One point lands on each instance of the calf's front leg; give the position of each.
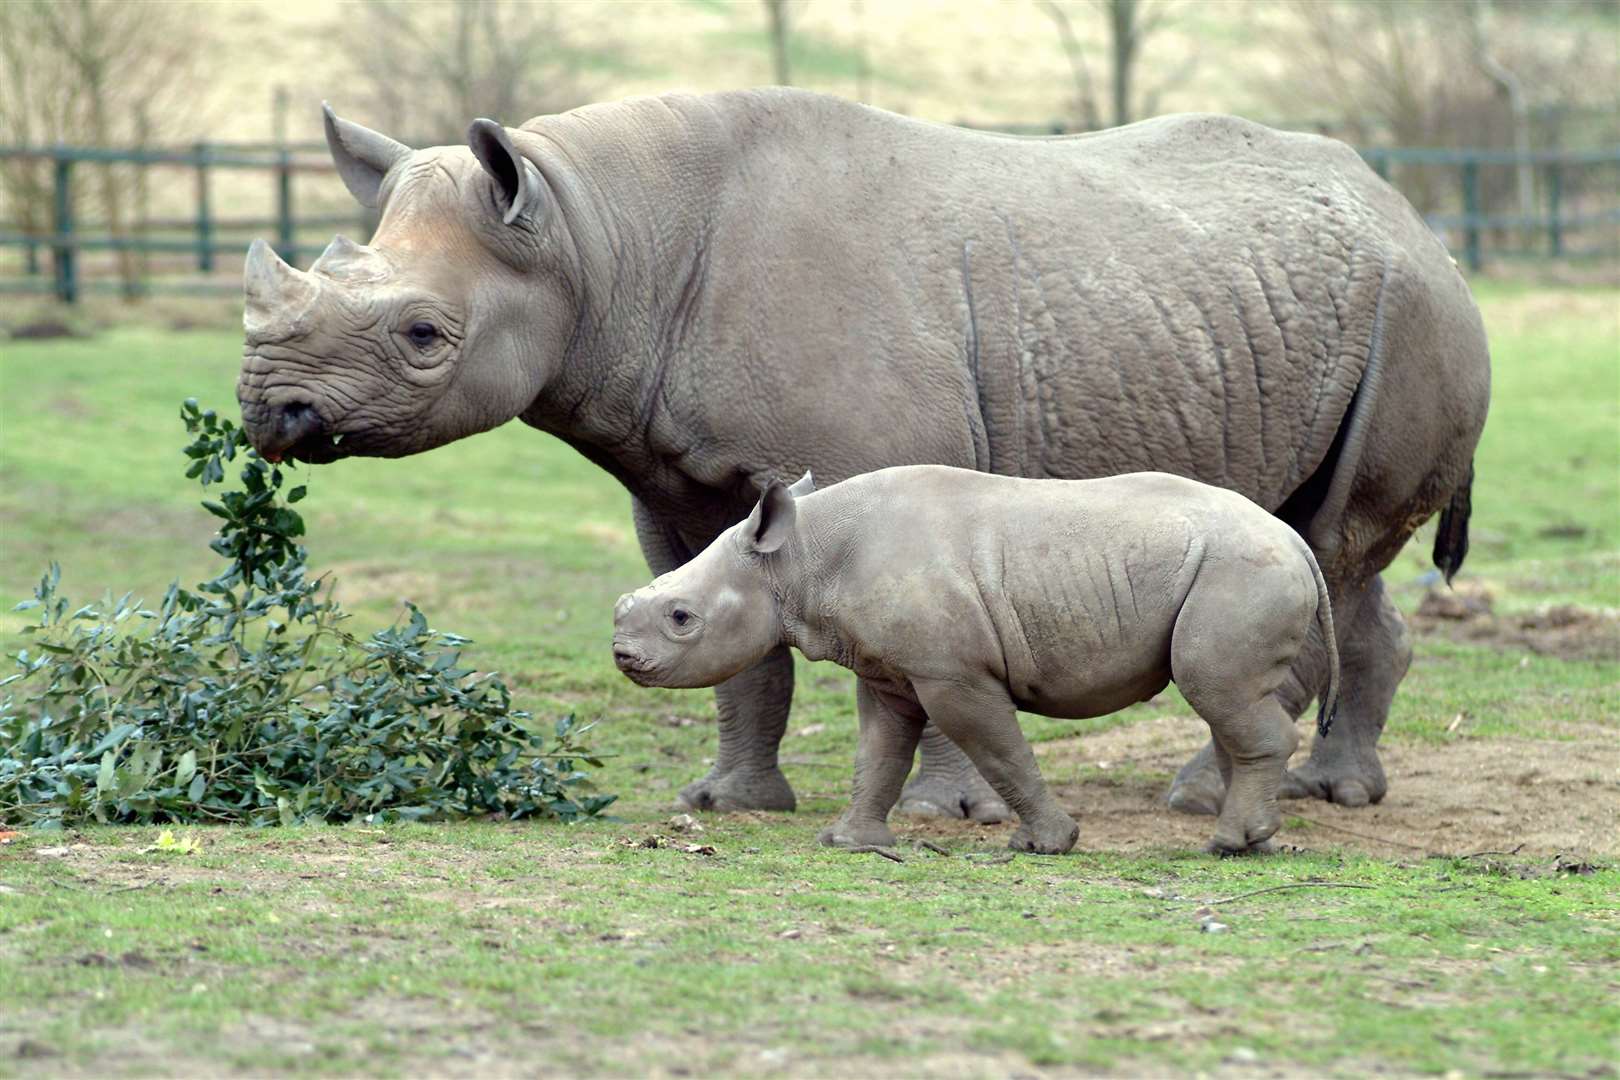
(889, 732)
(983, 721)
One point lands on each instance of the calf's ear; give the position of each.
(804, 485)
(517, 181)
(771, 523)
(362, 156)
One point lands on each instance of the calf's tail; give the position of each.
(1451, 539)
(1329, 706)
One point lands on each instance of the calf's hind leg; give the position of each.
(1229, 653)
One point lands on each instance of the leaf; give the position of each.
(169, 843)
(105, 774)
(185, 769)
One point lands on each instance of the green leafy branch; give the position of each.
(246, 699)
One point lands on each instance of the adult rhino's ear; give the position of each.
(362, 156)
(517, 181)
(771, 523)
(804, 485)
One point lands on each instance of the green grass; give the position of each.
(499, 948)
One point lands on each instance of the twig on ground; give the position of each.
(929, 845)
(1479, 854)
(873, 849)
(993, 860)
(1280, 888)
(1364, 836)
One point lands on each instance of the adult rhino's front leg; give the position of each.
(947, 785)
(752, 708)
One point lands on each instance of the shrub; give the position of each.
(246, 700)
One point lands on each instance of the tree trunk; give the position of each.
(1122, 21)
(776, 11)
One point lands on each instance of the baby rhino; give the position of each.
(961, 597)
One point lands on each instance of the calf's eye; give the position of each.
(423, 334)
(680, 617)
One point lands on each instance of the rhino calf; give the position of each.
(961, 597)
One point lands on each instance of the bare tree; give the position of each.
(1513, 88)
(1444, 74)
(503, 59)
(1085, 95)
(776, 15)
(98, 72)
(1128, 26)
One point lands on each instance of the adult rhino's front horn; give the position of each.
(275, 294)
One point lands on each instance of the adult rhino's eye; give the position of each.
(423, 334)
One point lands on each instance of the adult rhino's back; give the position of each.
(1193, 294)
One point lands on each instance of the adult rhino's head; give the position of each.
(448, 323)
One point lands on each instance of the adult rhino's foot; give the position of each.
(740, 789)
(844, 833)
(1349, 780)
(1198, 787)
(947, 785)
(954, 797)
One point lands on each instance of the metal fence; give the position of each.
(202, 236)
(1577, 208)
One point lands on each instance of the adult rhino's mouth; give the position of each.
(292, 431)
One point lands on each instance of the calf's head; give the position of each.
(448, 323)
(718, 614)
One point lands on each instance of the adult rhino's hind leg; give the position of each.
(1374, 652)
(752, 707)
(947, 785)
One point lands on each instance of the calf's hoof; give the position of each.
(857, 834)
(1259, 847)
(938, 797)
(1051, 838)
(739, 790)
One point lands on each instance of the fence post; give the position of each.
(64, 257)
(1470, 193)
(1555, 198)
(287, 249)
(205, 212)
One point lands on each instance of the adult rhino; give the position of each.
(700, 293)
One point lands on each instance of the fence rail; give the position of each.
(202, 239)
(66, 240)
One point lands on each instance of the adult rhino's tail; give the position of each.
(1451, 539)
(1329, 706)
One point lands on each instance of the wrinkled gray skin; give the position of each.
(959, 597)
(703, 292)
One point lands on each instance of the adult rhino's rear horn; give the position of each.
(275, 294)
(362, 156)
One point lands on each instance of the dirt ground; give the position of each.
(1530, 797)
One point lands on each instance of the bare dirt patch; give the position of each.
(1537, 797)
(1564, 631)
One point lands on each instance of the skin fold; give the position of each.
(702, 293)
(960, 597)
